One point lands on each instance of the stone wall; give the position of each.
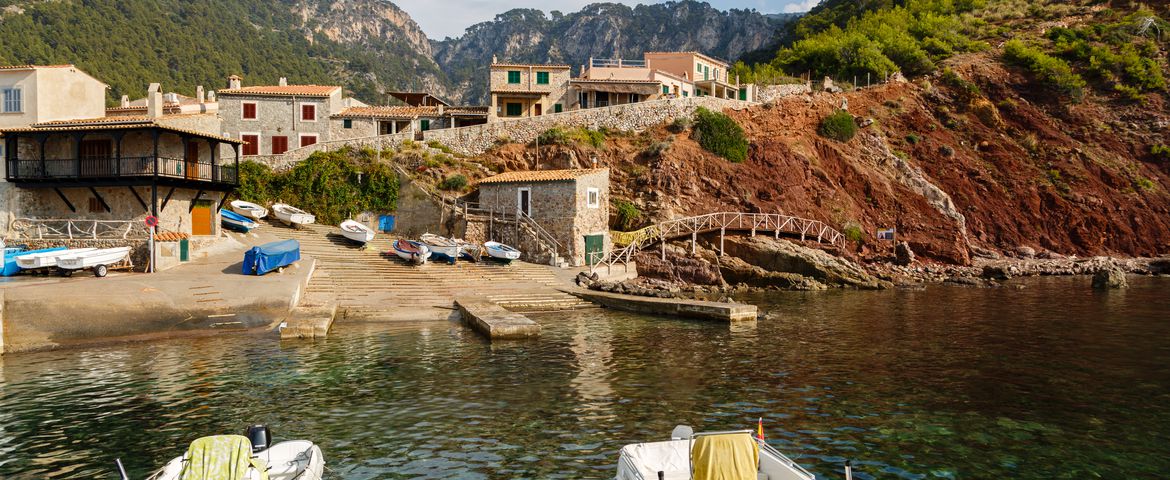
(772, 93)
(175, 217)
(277, 116)
(475, 140)
(294, 156)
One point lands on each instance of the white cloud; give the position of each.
(800, 6)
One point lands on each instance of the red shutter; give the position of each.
(249, 111)
(253, 145)
(309, 113)
(279, 145)
(308, 140)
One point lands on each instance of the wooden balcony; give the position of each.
(129, 171)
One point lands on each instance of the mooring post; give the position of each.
(722, 231)
(694, 240)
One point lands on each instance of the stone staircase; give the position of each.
(373, 285)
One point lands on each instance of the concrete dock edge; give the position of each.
(725, 312)
(494, 321)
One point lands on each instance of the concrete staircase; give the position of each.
(373, 285)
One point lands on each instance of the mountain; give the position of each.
(601, 30)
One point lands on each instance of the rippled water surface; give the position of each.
(1051, 381)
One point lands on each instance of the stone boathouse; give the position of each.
(570, 205)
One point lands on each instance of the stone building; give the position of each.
(572, 205)
(527, 90)
(273, 119)
(358, 122)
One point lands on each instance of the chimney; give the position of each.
(235, 81)
(211, 96)
(440, 109)
(283, 82)
(494, 60)
(154, 101)
(125, 101)
(200, 95)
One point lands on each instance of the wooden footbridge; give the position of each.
(722, 222)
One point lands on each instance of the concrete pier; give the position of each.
(309, 322)
(493, 320)
(724, 312)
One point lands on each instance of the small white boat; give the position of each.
(249, 209)
(292, 215)
(99, 260)
(47, 259)
(500, 252)
(412, 252)
(441, 247)
(734, 454)
(291, 460)
(356, 231)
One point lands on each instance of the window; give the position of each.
(252, 145)
(634, 98)
(308, 139)
(558, 108)
(279, 145)
(424, 124)
(515, 109)
(593, 198)
(700, 67)
(347, 123)
(706, 73)
(541, 78)
(249, 110)
(666, 89)
(583, 99)
(309, 112)
(13, 100)
(514, 76)
(686, 93)
(95, 205)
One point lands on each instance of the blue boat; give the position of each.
(10, 254)
(271, 256)
(235, 221)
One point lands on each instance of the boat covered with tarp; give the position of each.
(271, 256)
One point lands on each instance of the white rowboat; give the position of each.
(291, 460)
(99, 260)
(249, 209)
(292, 215)
(47, 259)
(441, 247)
(735, 454)
(500, 252)
(356, 231)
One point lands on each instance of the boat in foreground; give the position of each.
(357, 231)
(292, 215)
(500, 252)
(99, 260)
(235, 221)
(249, 209)
(441, 247)
(250, 457)
(707, 455)
(412, 252)
(271, 256)
(47, 258)
(11, 253)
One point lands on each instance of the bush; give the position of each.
(913, 139)
(839, 126)
(437, 145)
(257, 182)
(1143, 184)
(1051, 71)
(582, 136)
(456, 182)
(656, 149)
(554, 136)
(719, 134)
(681, 124)
(331, 185)
(853, 232)
(1159, 150)
(628, 215)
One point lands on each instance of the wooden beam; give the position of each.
(165, 200)
(191, 208)
(65, 199)
(141, 201)
(222, 201)
(98, 196)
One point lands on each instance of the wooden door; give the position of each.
(96, 157)
(192, 160)
(539, 109)
(201, 218)
(524, 200)
(594, 248)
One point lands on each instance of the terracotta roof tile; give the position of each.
(170, 236)
(541, 175)
(112, 123)
(283, 90)
(30, 67)
(534, 65)
(610, 80)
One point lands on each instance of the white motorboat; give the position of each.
(291, 460)
(500, 252)
(357, 231)
(441, 247)
(412, 252)
(249, 209)
(734, 454)
(99, 260)
(47, 259)
(292, 215)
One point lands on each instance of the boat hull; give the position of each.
(271, 256)
(356, 232)
(412, 252)
(105, 256)
(29, 260)
(235, 221)
(290, 460)
(291, 215)
(249, 209)
(500, 252)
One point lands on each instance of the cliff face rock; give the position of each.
(602, 30)
(785, 257)
(362, 22)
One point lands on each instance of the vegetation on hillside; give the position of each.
(719, 134)
(333, 185)
(839, 126)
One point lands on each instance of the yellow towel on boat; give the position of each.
(221, 457)
(729, 456)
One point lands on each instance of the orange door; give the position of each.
(201, 218)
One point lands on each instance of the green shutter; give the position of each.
(666, 90)
(542, 78)
(558, 108)
(514, 109)
(514, 76)
(743, 94)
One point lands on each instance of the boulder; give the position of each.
(783, 256)
(903, 255)
(984, 253)
(1109, 278)
(996, 272)
(1025, 252)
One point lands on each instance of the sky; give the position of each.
(448, 18)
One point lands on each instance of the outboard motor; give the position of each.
(260, 436)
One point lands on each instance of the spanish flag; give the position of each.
(760, 434)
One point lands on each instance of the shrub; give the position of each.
(839, 126)
(331, 185)
(853, 231)
(681, 124)
(593, 138)
(968, 90)
(1051, 71)
(1143, 184)
(719, 134)
(1159, 150)
(627, 213)
(913, 139)
(656, 149)
(554, 136)
(437, 145)
(456, 182)
(257, 182)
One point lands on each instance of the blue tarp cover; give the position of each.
(10, 267)
(271, 256)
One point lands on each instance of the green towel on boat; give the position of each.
(221, 457)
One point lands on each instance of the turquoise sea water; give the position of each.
(1051, 381)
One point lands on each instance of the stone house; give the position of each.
(358, 122)
(527, 90)
(273, 119)
(572, 205)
